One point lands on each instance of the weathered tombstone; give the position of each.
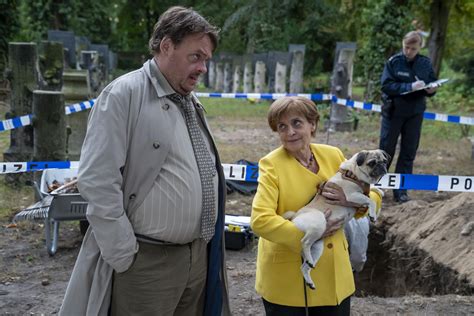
(297, 66)
(76, 89)
(51, 65)
(22, 75)
(69, 43)
(49, 122)
(90, 62)
(82, 43)
(260, 73)
(211, 70)
(228, 74)
(236, 80)
(248, 73)
(104, 61)
(274, 57)
(280, 78)
(219, 87)
(112, 62)
(341, 86)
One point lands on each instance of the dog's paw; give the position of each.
(312, 265)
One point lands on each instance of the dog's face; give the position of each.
(369, 165)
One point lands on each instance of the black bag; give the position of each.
(387, 106)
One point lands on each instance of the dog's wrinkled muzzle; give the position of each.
(378, 171)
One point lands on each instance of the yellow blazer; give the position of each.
(285, 185)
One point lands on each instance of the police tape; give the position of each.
(25, 120)
(81, 106)
(249, 173)
(346, 102)
(264, 96)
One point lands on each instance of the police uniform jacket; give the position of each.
(397, 77)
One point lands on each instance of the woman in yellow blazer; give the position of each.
(289, 177)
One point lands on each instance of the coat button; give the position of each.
(156, 145)
(165, 106)
(329, 245)
(132, 196)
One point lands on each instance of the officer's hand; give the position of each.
(417, 84)
(431, 90)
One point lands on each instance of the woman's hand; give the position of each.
(335, 195)
(332, 226)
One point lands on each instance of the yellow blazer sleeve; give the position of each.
(265, 220)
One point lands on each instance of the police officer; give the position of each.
(403, 106)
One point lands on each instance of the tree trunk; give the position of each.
(439, 25)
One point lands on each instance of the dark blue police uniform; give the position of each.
(402, 114)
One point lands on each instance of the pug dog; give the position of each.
(354, 177)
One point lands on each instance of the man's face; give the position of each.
(182, 64)
(410, 50)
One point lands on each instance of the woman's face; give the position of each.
(295, 132)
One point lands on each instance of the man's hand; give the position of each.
(417, 85)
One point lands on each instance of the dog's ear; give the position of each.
(387, 156)
(361, 157)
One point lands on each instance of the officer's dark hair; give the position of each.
(177, 23)
(413, 37)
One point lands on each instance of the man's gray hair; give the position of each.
(179, 22)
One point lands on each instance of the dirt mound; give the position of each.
(423, 248)
(443, 229)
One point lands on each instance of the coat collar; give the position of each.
(161, 85)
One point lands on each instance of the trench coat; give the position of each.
(127, 141)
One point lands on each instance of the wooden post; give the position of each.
(341, 86)
(248, 77)
(51, 65)
(259, 78)
(49, 122)
(219, 77)
(280, 78)
(22, 75)
(297, 65)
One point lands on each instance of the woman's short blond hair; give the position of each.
(413, 37)
(299, 105)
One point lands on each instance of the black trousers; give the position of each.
(343, 309)
(409, 128)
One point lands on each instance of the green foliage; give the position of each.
(385, 25)
(8, 28)
(264, 26)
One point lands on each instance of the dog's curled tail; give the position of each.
(289, 215)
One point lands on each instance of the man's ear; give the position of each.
(166, 45)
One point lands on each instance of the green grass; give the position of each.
(235, 108)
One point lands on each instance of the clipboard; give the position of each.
(437, 83)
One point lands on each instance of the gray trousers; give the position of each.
(163, 280)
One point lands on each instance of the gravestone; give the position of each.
(69, 44)
(297, 67)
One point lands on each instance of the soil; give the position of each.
(420, 259)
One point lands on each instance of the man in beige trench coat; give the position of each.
(155, 243)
